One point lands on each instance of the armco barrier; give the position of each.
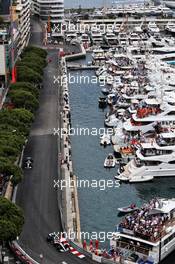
(92, 256)
(21, 254)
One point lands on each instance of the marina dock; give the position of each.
(77, 66)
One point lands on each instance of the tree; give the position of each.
(12, 139)
(34, 65)
(8, 168)
(24, 99)
(9, 151)
(11, 220)
(26, 86)
(8, 231)
(26, 74)
(18, 118)
(34, 58)
(36, 50)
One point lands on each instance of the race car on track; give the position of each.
(60, 243)
(28, 163)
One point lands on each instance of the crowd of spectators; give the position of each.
(146, 224)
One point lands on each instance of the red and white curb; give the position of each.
(76, 253)
(72, 250)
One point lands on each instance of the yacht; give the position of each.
(153, 28)
(98, 54)
(153, 159)
(97, 37)
(170, 28)
(111, 121)
(111, 38)
(148, 234)
(109, 161)
(85, 38)
(71, 36)
(144, 121)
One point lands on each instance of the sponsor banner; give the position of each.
(96, 258)
(2, 60)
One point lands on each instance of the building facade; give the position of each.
(21, 13)
(51, 11)
(14, 36)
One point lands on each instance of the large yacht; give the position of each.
(153, 159)
(148, 234)
(148, 116)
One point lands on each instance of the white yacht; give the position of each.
(148, 234)
(170, 28)
(147, 117)
(153, 159)
(111, 121)
(109, 161)
(153, 28)
(111, 38)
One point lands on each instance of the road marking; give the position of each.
(63, 262)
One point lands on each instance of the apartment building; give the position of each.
(20, 12)
(50, 10)
(14, 35)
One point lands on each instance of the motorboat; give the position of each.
(111, 121)
(105, 91)
(109, 161)
(170, 28)
(112, 99)
(102, 102)
(128, 209)
(105, 140)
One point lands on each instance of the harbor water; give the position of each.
(98, 208)
(97, 3)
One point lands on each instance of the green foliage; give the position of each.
(34, 65)
(15, 124)
(11, 220)
(19, 118)
(40, 52)
(8, 168)
(26, 74)
(8, 231)
(34, 58)
(24, 99)
(26, 86)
